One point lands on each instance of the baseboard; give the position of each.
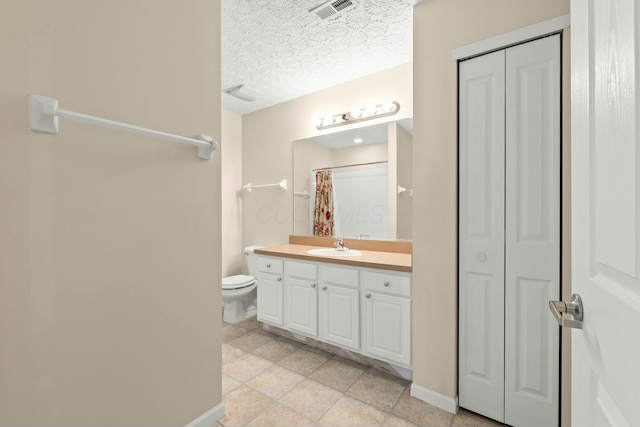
(435, 399)
(211, 416)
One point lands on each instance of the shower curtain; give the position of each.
(323, 209)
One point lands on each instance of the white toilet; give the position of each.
(239, 291)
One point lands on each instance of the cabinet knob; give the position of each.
(481, 257)
(368, 296)
(324, 288)
(268, 265)
(386, 284)
(313, 285)
(279, 279)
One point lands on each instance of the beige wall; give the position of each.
(439, 27)
(404, 201)
(231, 203)
(268, 134)
(109, 241)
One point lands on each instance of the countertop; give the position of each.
(371, 259)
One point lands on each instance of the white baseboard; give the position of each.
(211, 416)
(435, 399)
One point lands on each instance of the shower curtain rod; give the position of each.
(349, 166)
(44, 113)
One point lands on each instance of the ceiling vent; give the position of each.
(330, 8)
(242, 92)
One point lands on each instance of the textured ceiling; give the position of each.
(279, 50)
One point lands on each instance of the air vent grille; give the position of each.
(330, 8)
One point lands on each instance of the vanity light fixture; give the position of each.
(369, 112)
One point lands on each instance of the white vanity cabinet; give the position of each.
(270, 290)
(386, 317)
(339, 305)
(301, 297)
(364, 310)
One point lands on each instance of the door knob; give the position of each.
(568, 314)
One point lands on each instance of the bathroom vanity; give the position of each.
(358, 303)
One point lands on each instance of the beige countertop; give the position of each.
(371, 259)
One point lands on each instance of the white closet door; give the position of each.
(481, 235)
(532, 233)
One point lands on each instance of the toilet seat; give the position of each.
(238, 281)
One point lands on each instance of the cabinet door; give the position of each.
(302, 306)
(270, 297)
(340, 316)
(387, 327)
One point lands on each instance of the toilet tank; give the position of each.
(252, 259)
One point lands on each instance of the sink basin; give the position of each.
(333, 252)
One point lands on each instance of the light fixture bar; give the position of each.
(370, 112)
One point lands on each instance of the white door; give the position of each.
(387, 327)
(605, 87)
(270, 297)
(509, 239)
(481, 235)
(532, 233)
(302, 306)
(340, 316)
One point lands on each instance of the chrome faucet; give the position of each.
(339, 244)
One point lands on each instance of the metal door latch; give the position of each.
(568, 314)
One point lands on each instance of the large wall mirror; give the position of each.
(355, 183)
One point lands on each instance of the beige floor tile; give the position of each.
(243, 405)
(275, 350)
(231, 332)
(229, 384)
(466, 418)
(247, 367)
(250, 341)
(275, 382)
(311, 399)
(303, 361)
(293, 342)
(338, 373)
(278, 415)
(377, 389)
(231, 353)
(421, 413)
(398, 422)
(250, 323)
(349, 412)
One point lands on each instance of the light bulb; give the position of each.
(388, 106)
(371, 110)
(356, 113)
(357, 140)
(328, 120)
(317, 121)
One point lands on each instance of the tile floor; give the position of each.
(268, 380)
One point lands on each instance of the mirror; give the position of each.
(368, 172)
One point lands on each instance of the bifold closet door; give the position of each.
(532, 233)
(509, 233)
(481, 235)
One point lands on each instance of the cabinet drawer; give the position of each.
(340, 275)
(302, 270)
(388, 283)
(270, 265)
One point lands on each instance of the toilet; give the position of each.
(239, 291)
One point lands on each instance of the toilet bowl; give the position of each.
(239, 291)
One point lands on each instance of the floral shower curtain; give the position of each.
(323, 210)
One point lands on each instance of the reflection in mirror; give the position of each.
(356, 183)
